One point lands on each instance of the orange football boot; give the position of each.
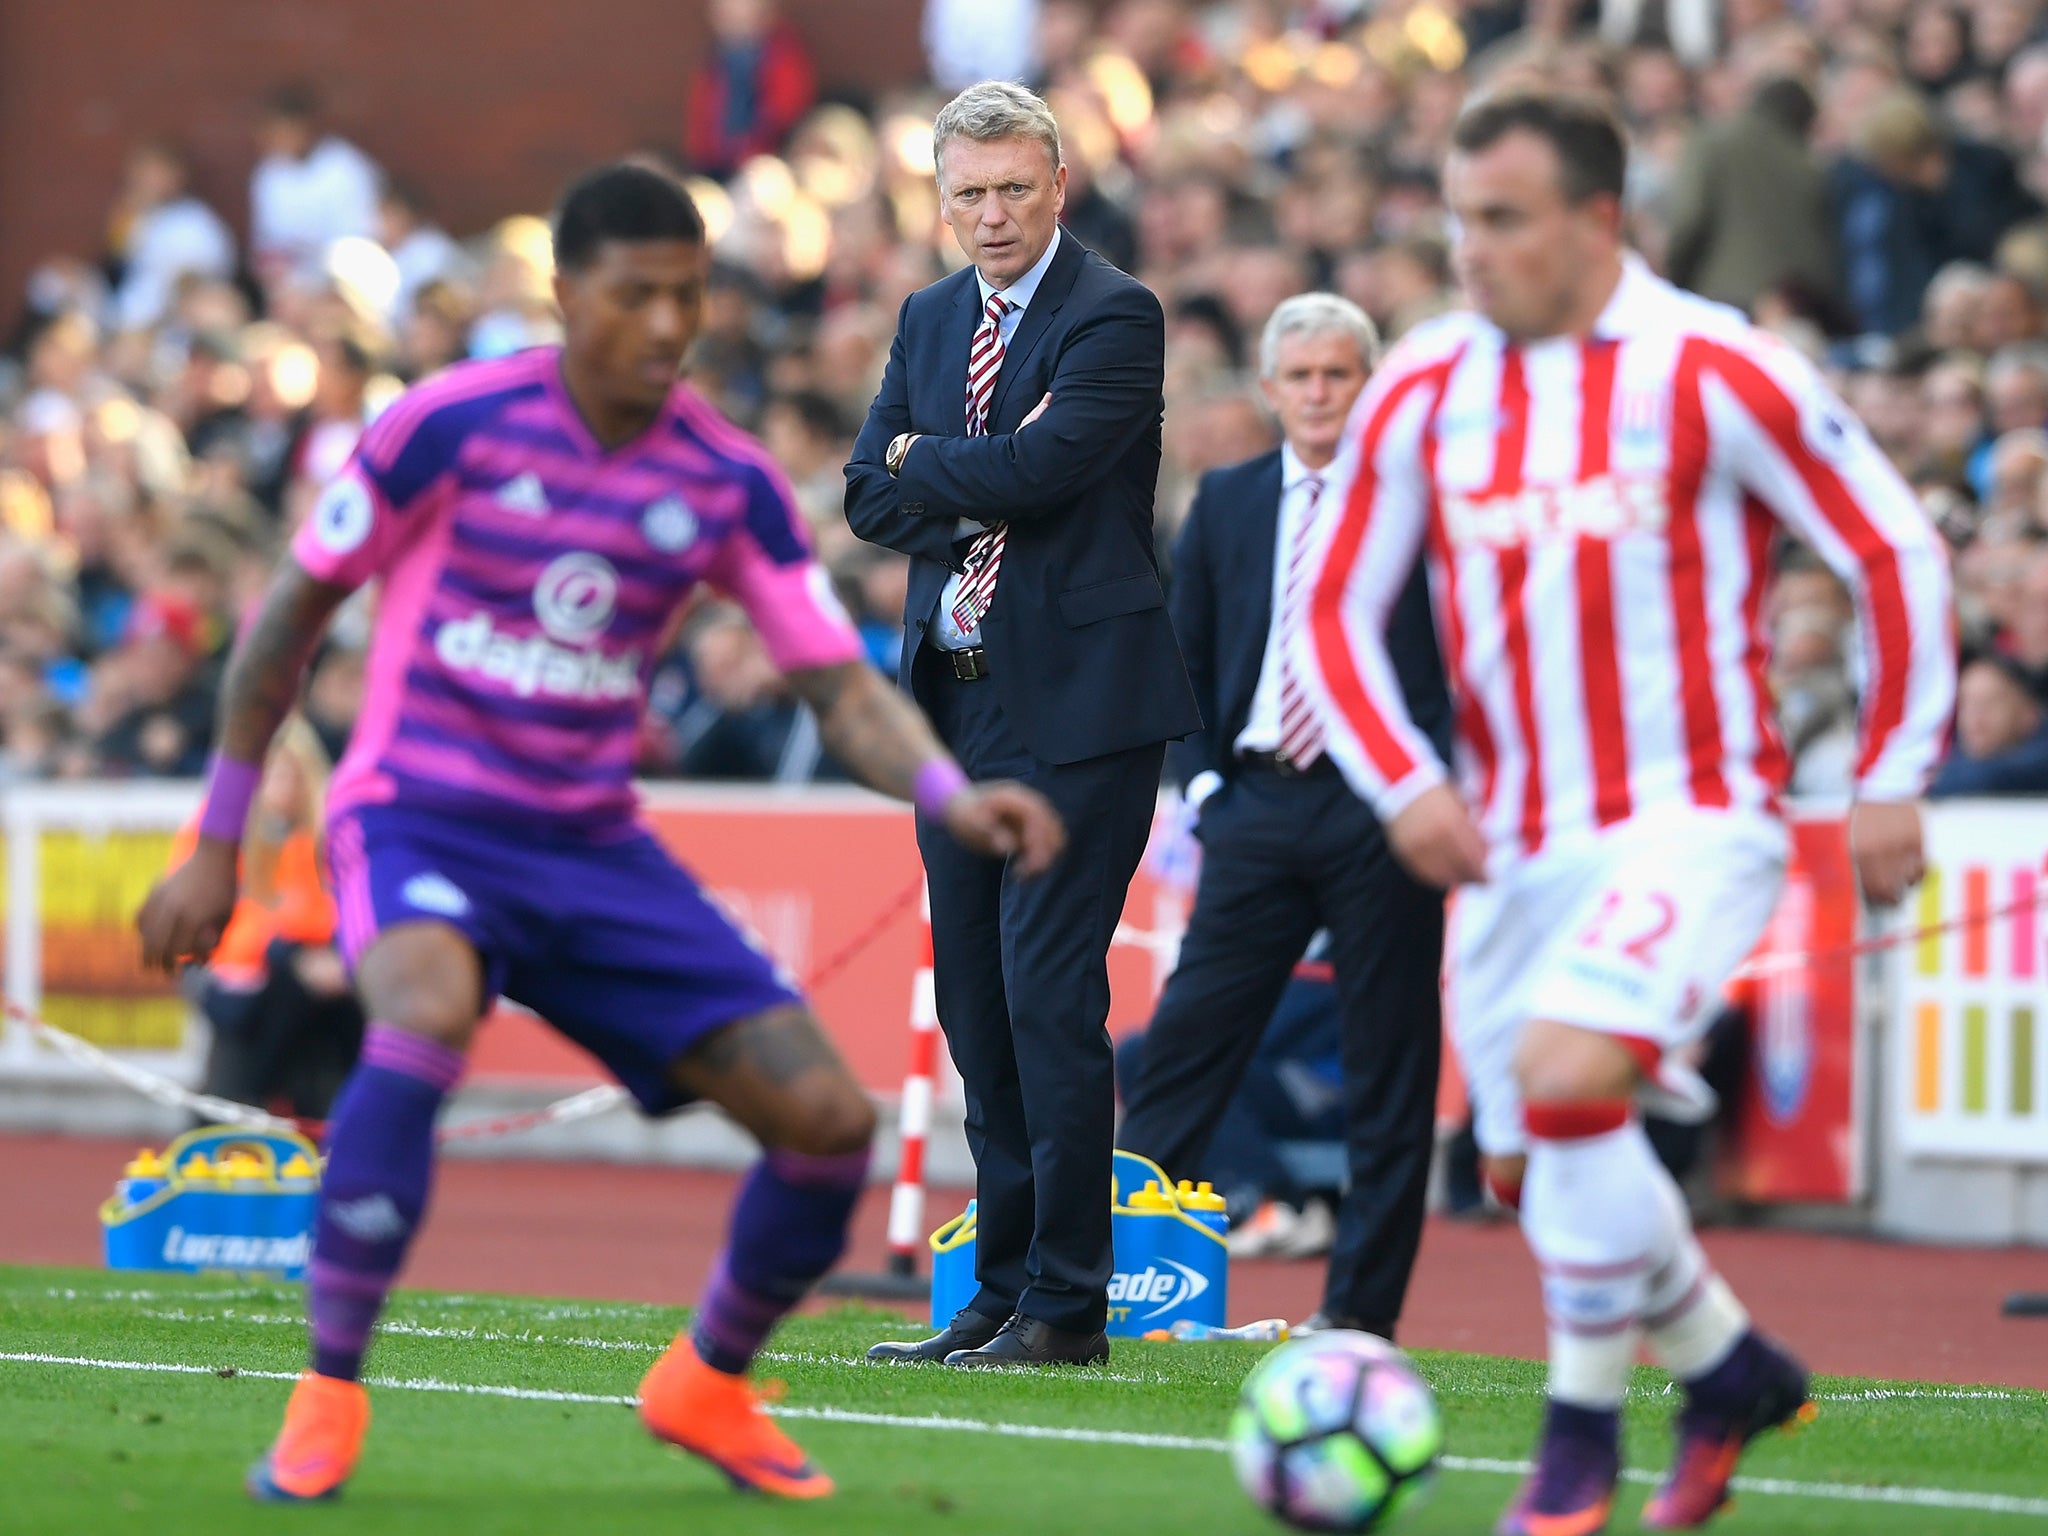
(315, 1452)
(1710, 1443)
(720, 1418)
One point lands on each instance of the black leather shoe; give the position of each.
(968, 1330)
(1027, 1341)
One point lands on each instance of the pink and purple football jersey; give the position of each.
(528, 575)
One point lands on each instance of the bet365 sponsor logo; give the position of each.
(1604, 507)
(1162, 1290)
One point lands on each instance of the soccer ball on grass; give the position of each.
(1335, 1432)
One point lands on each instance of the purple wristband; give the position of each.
(935, 785)
(230, 787)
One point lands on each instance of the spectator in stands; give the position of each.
(2008, 313)
(755, 84)
(338, 411)
(309, 189)
(760, 730)
(1816, 702)
(283, 374)
(167, 726)
(2001, 743)
(161, 234)
(2024, 635)
(435, 332)
(1912, 197)
(423, 252)
(970, 40)
(1953, 441)
(2016, 388)
(1750, 207)
(811, 439)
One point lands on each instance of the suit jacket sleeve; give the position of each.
(874, 497)
(1105, 397)
(1192, 603)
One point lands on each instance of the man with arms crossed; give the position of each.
(1012, 453)
(1597, 465)
(535, 522)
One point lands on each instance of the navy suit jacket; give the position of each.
(1082, 655)
(1223, 610)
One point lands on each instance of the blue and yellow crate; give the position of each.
(219, 1199)
(1170, 1264)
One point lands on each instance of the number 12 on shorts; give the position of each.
(1631, 924)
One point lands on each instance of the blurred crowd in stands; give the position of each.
(1867, 177)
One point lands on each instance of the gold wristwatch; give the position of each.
(898, 446)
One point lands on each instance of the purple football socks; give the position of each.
(788, 1228)
(380, 1165)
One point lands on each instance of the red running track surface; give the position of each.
(599, 1230)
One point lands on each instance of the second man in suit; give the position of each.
(1286, 847)
(1013, 452)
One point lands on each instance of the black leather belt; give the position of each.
(1286, 767)
(969, 666)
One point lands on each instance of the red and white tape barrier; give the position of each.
(914, 1114)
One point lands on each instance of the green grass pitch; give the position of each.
(91, 1442)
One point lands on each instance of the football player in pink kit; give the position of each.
(1596, 465)
(535, 523)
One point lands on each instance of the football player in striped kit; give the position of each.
(1595, 466)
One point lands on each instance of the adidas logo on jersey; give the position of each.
(535, 665)
(524, 494)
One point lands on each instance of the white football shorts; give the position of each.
(1632, 932)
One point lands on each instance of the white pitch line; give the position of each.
(482, 1335)
(1919, 1498)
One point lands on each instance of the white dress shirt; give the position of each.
(946, 634)
(1261, 731)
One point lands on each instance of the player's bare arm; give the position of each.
(887, 743)
(185, 914)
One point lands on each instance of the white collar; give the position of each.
(1293, 471)
(1018, 295)
(1634, 302)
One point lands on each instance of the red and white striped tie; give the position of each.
(1301, 733)
(985, 554)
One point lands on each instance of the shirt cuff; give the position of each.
(1396, 798)
(1201, 787)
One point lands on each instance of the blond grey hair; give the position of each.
(1318, 314)
(995, 109)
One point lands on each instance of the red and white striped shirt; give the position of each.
(1598, 515)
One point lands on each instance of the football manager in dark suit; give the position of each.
(1286, 847)
(1013, 453)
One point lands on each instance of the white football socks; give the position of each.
(1596, 1215)
(1690, 1317)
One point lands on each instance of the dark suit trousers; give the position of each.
(1021, 971)
(1282, 857)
